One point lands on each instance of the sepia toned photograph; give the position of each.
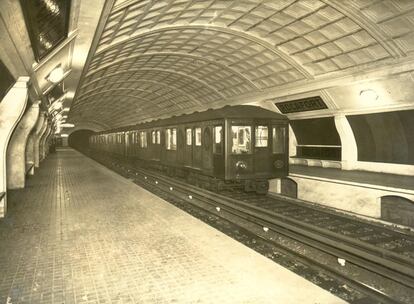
(207, 151)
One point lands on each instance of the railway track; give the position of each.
(379, 274)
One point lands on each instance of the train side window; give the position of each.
(158, 135)
(278, 139)
(171, 139)
(218, 140)
(262, 136)
(153, 137)
(198, 136)
(143, 139)
(242, 141)
(189, 136)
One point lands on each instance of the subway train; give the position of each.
(234, 146)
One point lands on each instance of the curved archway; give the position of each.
(79, 140)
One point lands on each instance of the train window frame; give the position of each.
(261, 141)
(218, 145)
(171, 139)
(158, 135)
(188, 136)
(249, 142)
(153, 137)
(143, 141)
(274, 140)
(197, 136)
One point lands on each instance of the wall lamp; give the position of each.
(369, 95)
(56, 75)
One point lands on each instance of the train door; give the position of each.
(127, 144)
(279, 149)
(239, 150)
(262, 155)
(124, 144)
(188, 147)
(180, 145)
(134, 143)
(197, 147)
(207, 150)
(155, 144)
(218, 150)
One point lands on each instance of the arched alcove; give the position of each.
(289, 187)
(397, 209)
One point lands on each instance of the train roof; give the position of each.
(241, 111)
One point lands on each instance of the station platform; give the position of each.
(387, 180)
(80, 233)
(378, 196)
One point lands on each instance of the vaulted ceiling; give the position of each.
(156, 58)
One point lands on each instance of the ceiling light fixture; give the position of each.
(56, 75)
(67, 125)
(369, 95)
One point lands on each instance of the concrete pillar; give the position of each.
(49, 141)
(11, 110)
(16, 151)
(30, 148)
(37, 142)
(348, 143)
(42, 146)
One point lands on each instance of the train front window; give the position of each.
(278, 139)
(242, 139)
(262, 136)
(218, 139)
(171, 139)
(198, 136)
(188, 136)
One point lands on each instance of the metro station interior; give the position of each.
(207, 151)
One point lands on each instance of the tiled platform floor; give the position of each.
(79, 233)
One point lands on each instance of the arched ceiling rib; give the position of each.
(195, 89)
(190, 59)
(145, 85)
(217, 50)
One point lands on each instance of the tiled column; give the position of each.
(43, 140)
(37, 142)
(11, 110)
(348, 143)
(16, 151)
(49, 141)
(30, 148)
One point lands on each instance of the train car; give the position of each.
(235, 145)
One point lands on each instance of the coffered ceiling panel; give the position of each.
(155, 58)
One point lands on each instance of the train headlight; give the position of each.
(278, 164)
(241, 165)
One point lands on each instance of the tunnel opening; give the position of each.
(79, 140)
(397, 209)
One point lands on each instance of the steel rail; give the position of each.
(194, 201)
(334, 244)
(364, 255)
